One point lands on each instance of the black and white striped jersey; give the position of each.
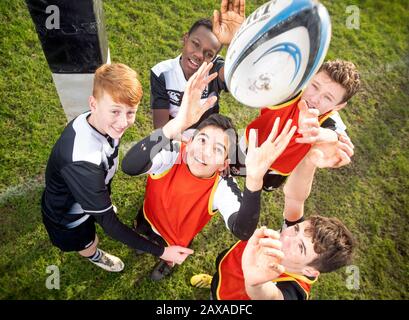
(78, 175)
(168, 84)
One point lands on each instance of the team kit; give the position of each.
(275, 62)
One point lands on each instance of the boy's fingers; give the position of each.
(223, 6)
(257, 235)
(286, 139)
(211, 77)
(236, 6)
(274, 131)
(271, 233)
(286, 128)
(191, 80)
(207, 67)
(209, 103)
(347, 140)
(252, 140)
(277, 267)
(308, 140)
(186, 250)
(311, 122)
(346, 148)
(273, 253)
(345, 159)
(270, 243)
(313, 112)
(309, 131)
(216, 22)
(302, 105)
(242, 8)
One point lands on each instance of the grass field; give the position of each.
(370, 195)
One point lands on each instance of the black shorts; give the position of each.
(142, 227)
(272, 181)
(75, 239)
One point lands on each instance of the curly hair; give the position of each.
(345, 73)
(332, 241)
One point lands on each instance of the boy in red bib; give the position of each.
(315, 112)
(276, 266)
(184, 188)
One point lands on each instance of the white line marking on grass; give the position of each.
(21, 189)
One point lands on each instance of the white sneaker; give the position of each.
(109, 262)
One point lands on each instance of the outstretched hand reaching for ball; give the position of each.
(191, 108)
(228, 21)
(259, 159)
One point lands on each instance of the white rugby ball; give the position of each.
(276, 51)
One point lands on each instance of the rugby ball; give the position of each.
(276, 51)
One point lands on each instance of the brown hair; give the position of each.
(332, 241)
(344, 73)
(120, 82)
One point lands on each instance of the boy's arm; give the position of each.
(153, 154)
(86, 181)
(297, 189)
(298, 185)
(243, 222)
(114, 228)
(240, 212)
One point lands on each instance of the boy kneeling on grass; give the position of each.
(184, 188)
(80, 170)
(277, 266)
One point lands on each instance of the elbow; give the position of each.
(243, 234)
(127, 167)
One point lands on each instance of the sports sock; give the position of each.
(96, 255)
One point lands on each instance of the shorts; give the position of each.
(142, 227)
(272, 181)
(75, 239)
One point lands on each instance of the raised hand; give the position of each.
(261, 259)
(228, 21)
(332, 154)
(191, 108)
(259, 159)
(176, 254)
(308, 124)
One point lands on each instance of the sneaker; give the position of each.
(161, 269)
(201, 280)
(109, 262)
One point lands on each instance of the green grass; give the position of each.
(370, 195)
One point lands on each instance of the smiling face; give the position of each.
(324, 94)
(298, 250)
(207, 152)
(199, 46)
(110, 117)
